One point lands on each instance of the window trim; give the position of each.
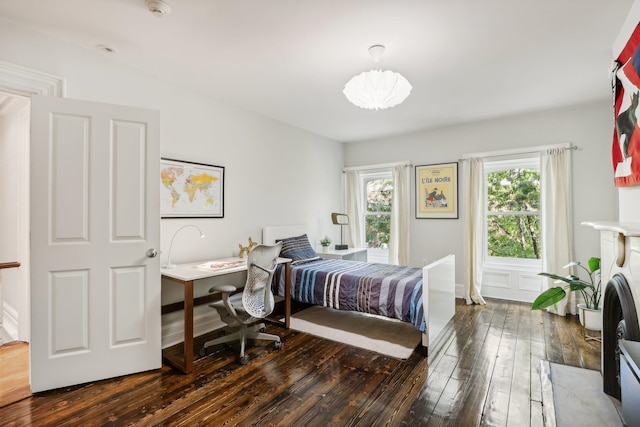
(527, 161)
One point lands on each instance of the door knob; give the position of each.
(152, 253)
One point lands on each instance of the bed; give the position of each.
(396, 292)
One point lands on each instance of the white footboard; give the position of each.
(438, 290)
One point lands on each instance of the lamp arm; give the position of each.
(169, 265)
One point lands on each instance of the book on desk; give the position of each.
(221, 265)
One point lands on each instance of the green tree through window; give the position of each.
(378, 213)
(513, 213)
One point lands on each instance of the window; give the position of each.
(512, 190)
(377, 214)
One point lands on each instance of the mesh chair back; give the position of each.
(257, 297)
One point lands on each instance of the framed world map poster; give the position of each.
(191, 190)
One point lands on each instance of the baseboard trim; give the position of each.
(173, 331)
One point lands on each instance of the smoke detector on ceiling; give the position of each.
(159, 8)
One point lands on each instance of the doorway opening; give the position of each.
(14, 217)
(17, 84)
(14, 246)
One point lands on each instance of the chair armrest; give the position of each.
(222, 288)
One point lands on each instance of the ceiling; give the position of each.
(467, 60)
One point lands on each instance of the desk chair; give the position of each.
(254, 303)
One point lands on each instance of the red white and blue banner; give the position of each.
(626, 138)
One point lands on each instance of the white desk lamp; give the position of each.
(168, 264)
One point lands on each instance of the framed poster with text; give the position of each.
(191, 190)
(437, 191)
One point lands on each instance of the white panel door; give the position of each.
(95, 221)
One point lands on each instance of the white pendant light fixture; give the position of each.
(377, 89)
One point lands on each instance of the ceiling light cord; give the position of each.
(376, 51)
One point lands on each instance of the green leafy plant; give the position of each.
(326, 241)
(590, 290)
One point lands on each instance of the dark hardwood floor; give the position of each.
(486, 373)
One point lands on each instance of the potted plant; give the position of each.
(325, 243)
(590, 311)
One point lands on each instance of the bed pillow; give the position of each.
(298, 249)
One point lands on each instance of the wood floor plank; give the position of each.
(445, 412)
(537, 420)
(398, 391)
(461, 389)
(568, 342)
(486, 373)
(424, 404)
(552, 339)
(465, 324)
(519, 412)
(14, 372)
(588, 351)
(469, 410)
(497, 401)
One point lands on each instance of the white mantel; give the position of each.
(629, 229)
(619, 244)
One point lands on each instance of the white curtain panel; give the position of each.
(556, 219)
(400, 216)
(355, 210)
(473, 214)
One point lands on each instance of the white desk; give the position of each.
(353, 254)
(186, 275)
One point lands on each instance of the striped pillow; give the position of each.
(298, 249)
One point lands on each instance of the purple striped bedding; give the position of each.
(388, 290)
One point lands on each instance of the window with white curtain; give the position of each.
(378, 196)
(512, 238)
(518, 221)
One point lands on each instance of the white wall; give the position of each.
(274, 174)
(588, 126)
(14, 302)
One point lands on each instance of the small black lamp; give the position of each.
(341, 220)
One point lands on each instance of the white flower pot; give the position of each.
(589, 318)
(581, 313)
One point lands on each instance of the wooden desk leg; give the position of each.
(188, 326)
(287, 295)
(184, 364)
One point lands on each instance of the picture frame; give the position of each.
(191, 190)
(437, 191)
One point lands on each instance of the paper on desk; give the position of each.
(221, 265)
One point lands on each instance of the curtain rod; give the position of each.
(380, 166)
(516, 152)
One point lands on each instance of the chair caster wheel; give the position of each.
(203, 352)
(277, 345)
(244, 360)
